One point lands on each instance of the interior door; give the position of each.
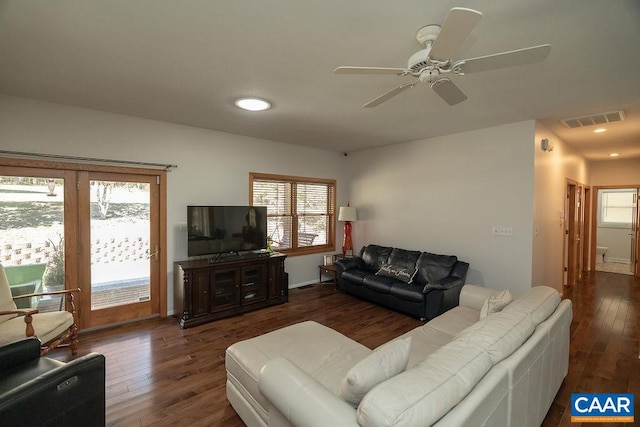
(119, 237)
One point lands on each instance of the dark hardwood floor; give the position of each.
(158, 374)
(605, 345)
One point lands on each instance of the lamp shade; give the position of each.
(347, 213)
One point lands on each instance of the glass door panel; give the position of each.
(32, 237)
(120, 239)
(120, 269)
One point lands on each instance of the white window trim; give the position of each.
(605, 224)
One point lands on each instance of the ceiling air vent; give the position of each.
(596, 119)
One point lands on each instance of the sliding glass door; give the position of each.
(84, 226)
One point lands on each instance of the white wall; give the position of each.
(444, 195)
(615, 172)
(213, 167)
(551, 170)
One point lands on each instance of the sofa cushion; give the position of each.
(499, 335)
(404, 258)
(350, 263)
(395, 271)
(423, 394)
(385, 362)
(55, 323)
(432, 268)
(379, 284)
(407, 292)
(455, 320)
(322, 352)
(424, 341)
(495, 303)
(374, 256)
(539, 303)
(355, 277)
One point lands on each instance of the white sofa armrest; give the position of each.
(473, 296)
(301, 399)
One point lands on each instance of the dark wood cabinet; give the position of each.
(206, 291)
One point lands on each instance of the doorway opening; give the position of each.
(615, 223)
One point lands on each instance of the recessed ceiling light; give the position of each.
(253, 104)
(614, 154)
(599, 130)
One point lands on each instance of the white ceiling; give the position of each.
(186, 61)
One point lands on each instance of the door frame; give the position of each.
(576, 235)
(137, 310)
(69, 171)
(570, 238)
(635, 267)
(587, 236)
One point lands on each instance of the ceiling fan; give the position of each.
(434, 64)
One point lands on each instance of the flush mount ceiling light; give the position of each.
(614, 154)
(253, 104)
(600, 130)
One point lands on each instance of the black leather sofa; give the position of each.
(420, 284)
(40, 391)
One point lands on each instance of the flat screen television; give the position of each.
(226, 229)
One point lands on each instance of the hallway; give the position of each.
(605, 345)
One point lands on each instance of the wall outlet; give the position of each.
(501, 231)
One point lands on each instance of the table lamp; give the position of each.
(347, 214)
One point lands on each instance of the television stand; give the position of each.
(206, 291)
(234, 256)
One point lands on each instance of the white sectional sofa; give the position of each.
(502, 370)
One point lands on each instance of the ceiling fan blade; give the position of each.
(457, 26)
(448, 91)
(387, 95)
(512, 58)
(370, 70)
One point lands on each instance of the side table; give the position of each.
(329, 270)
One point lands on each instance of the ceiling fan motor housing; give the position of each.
(425, 36)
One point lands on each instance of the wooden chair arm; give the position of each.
(23, 311)
(63, 292)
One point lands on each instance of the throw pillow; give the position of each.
(404, 274)
(385, 362)
(496, 303)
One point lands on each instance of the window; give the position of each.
(300, 211)
(615, 207)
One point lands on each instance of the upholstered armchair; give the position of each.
(53, 329)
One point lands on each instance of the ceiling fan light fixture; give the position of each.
(253, 104)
